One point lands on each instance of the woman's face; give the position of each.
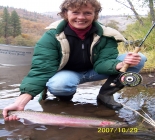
(82, 17)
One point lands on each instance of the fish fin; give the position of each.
(62, 127)
(64, 113)
(29, 110)
(95, 126)
(27, 122)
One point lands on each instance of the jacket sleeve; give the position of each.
(45, 62)
(106, 57)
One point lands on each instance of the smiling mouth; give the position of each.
(80, 22)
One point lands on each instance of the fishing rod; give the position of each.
(132, 79)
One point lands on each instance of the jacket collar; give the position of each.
(61, 24)
(101, 30)
(69, 31)
(58, 26)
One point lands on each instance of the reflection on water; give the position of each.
(83, 104)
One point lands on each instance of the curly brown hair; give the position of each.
(77, 4)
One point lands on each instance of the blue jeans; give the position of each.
(65, 82)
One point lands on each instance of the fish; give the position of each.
(44, 118)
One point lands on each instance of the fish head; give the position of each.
(12, 113)
(26, 120)
(16, 113)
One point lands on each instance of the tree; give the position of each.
(151, 7)
(5, 23)
(15, 24)
(131, 6)
(141, 3)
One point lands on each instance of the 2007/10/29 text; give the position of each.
(117, 130)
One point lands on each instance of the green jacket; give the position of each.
(52, 52)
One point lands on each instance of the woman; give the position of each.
(74, 50)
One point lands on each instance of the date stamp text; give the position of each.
(118, 130)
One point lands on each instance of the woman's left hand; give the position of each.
(132, 59)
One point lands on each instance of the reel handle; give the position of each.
(126, 66)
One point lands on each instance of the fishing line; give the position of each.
(132, 79)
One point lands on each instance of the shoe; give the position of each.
(107, 90)
(108, 101)
(64, 98)
(43, 95)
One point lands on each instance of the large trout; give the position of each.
(65, 120)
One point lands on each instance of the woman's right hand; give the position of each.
(19, 105)
(11, 108)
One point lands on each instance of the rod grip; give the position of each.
(125, 67)
(137, 49)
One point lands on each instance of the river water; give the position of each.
(83, 104)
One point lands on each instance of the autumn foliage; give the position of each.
(32, 27)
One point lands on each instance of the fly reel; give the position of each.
(130, 79)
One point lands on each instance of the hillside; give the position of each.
(32, 23)
(37, 21)
(120, 21)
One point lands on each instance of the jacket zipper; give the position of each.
(83, 53)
